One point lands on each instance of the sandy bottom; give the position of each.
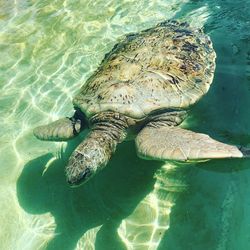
(47, 52)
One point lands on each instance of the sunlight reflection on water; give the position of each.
(47, 52)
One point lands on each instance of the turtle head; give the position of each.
(95, 151)
(85, 162)
(87, 159)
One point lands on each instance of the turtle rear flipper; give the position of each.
(174, 143)
(60, 130)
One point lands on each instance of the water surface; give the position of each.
(48, 49)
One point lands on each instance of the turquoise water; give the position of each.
(48, 49)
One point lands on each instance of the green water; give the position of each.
(47, 50)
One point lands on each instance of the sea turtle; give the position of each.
(142, 90)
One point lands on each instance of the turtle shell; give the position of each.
(164, 67)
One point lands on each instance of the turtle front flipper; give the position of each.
(60, 130)
(174, 143)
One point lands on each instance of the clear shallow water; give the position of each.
(47, 52)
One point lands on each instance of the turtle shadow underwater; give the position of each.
(105, 200)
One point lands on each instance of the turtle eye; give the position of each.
(80, 179)
(85, 175)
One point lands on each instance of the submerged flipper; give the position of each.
(175, 143)
(60, 130)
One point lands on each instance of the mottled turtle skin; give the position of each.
(142, 90)
(168, 66)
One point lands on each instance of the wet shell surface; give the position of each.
(167, 66)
